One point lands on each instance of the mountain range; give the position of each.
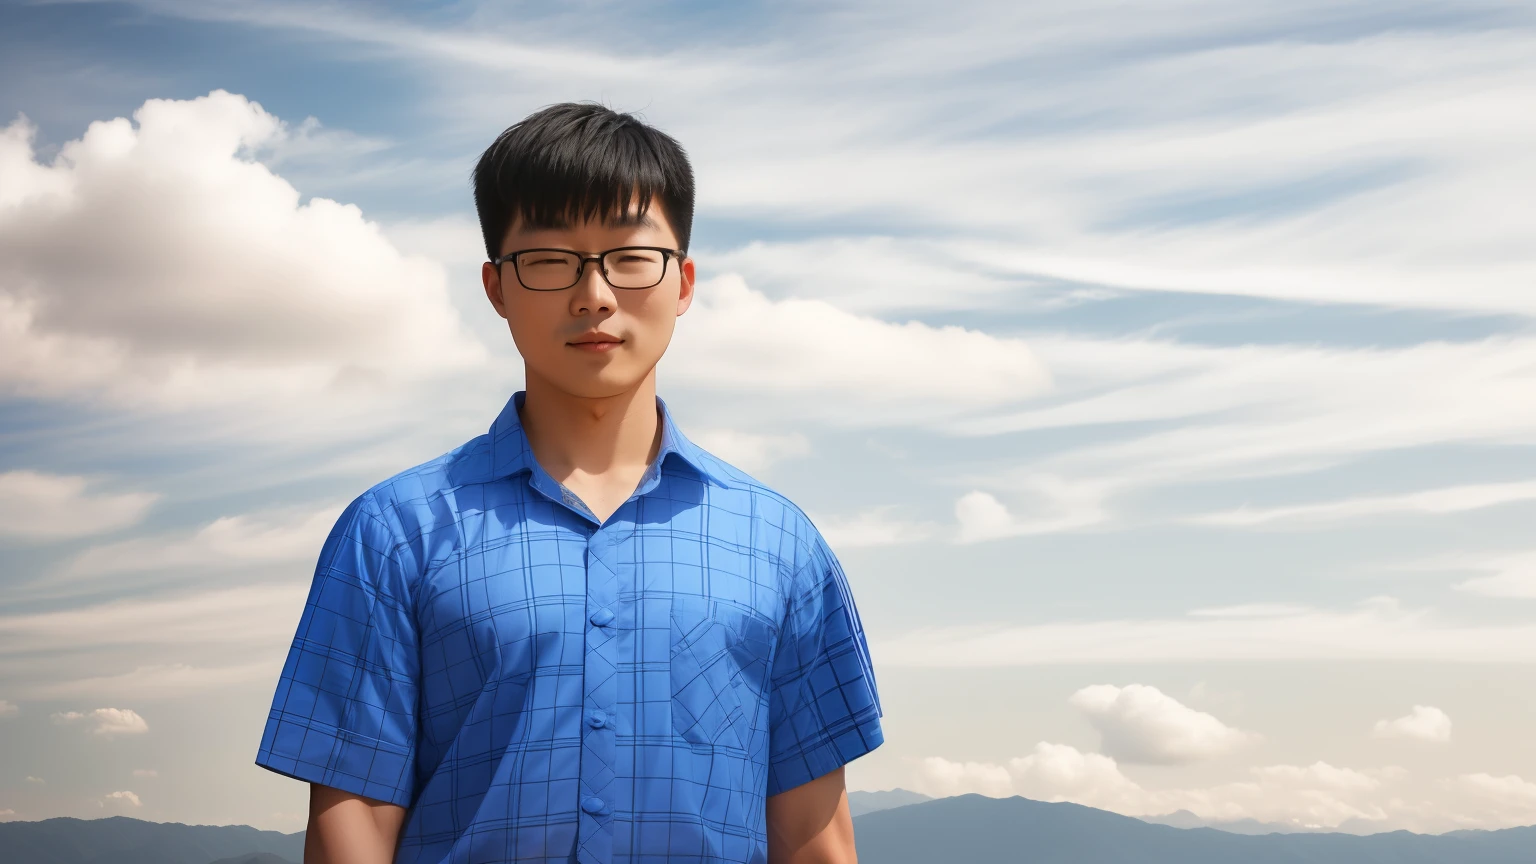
(893, 827)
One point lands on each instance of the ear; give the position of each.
(685, 290)
(490, 275)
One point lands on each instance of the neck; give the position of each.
(591, 435)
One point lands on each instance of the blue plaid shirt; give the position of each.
(534, 685)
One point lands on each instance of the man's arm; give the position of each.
(811, 824)
(350, 829)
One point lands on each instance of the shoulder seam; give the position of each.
(397, 542)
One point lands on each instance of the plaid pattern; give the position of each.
(535, 686)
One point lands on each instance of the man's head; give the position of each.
(583, 178)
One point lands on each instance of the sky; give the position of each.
(1163, 374)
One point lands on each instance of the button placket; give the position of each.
(600, 692)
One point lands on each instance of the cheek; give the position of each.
(652, 320)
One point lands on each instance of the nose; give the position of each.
(598, 283)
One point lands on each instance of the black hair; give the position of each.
(576, 161)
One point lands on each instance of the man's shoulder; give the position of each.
(762, 501)
(419, 484)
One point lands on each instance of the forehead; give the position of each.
(653, 221)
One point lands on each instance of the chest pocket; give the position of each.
(720, 655)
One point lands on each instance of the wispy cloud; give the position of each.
(36, 506)
(1451, 499)
(106, 722)
(1379, 629)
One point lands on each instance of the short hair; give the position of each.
(576, 161)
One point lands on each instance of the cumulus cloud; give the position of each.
(155, 262)
(39, 506)
(1313, 796)
(1424, 723)
(9, 709)
(106, 722)
(1509, 798)
(128, 798)
(734, 339)
(1139, 723)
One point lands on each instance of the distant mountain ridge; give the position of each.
(970, 828)
(124, 840)
(975, 828)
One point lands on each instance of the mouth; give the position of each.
(597, 344)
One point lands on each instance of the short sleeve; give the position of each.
(824, 710)
(344, 714)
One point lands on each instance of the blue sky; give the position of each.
(1161, 374)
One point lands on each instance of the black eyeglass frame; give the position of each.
(581, 264)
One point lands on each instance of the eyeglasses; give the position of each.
(558, 269)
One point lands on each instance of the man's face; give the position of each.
(549, 326)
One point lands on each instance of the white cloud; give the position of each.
(1142, 724)
(1250, 610)
(122, 798)
(751, 451)
(1424, 723)
(1058, 772)
(139, 647)
(284, 535)
(9, 709)
(1045, 503)
(1297, 151)
(1377, 629)
(1223, 414)
(162, 680)
(1506, 799)
(1511, 575)
(158, 264)
(1313, 796)
(844, 369)
(874, 526)
(31, 779)
(248, 616)
(1452, 499)
(867, 275)
(39, 506)
(106, 722)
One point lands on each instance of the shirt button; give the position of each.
(601, 617)
(595, 805)
(597, 718)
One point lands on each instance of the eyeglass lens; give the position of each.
(550, 270)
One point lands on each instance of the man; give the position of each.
(578, 637)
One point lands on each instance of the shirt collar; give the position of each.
(511, 453)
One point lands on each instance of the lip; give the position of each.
(594, 338)
(596, 347)
(596, 342)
